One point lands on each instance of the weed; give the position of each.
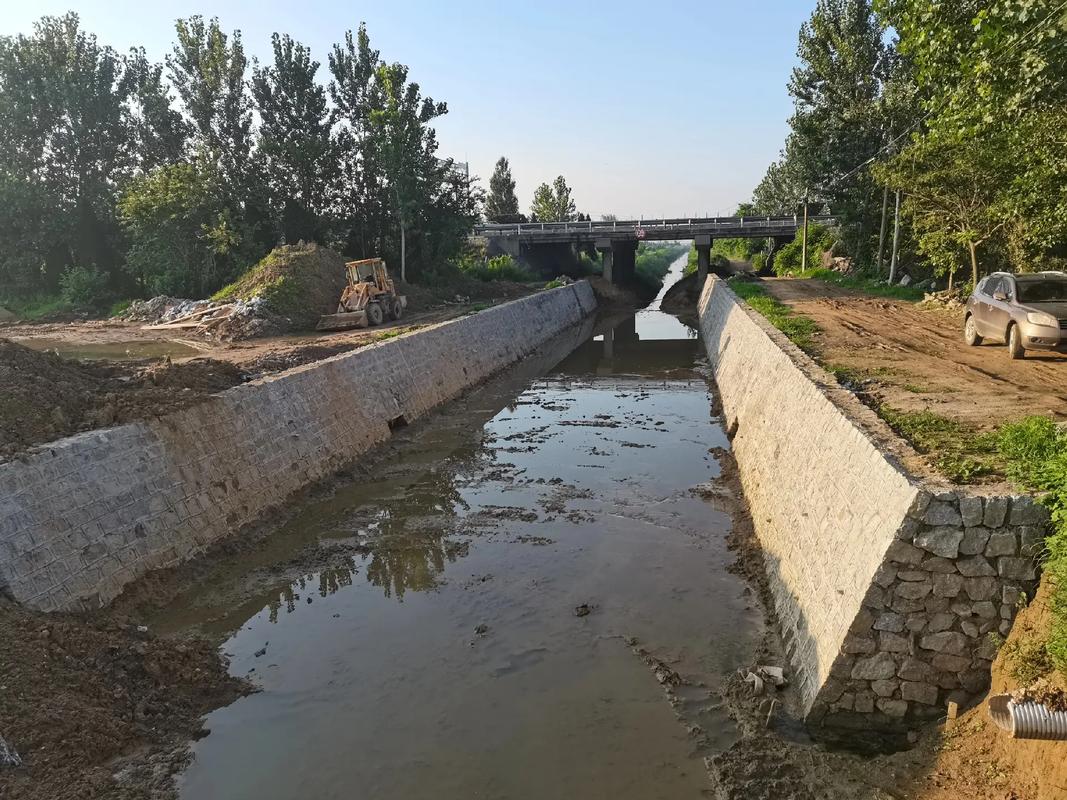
(865, 284)
(1028, 659)
(960, 452)
(118, 308)
(36, 306)
(798, 328)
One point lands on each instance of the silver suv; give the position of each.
(1026, 312)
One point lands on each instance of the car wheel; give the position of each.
(970, 332)
(1015, 345)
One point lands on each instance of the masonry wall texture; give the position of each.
(886, 587)
(84, 516)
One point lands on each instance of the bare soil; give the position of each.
(80, 696)
(46, 397)
(916, 360)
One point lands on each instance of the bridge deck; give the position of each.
(648, 230)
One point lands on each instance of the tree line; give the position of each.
(143, 177)
(552, 202)
(958, 107)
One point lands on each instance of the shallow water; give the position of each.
(450, 653)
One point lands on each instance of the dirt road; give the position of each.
(916, 360)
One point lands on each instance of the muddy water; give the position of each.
(528, 599)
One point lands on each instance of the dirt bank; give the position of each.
(46, 397)
(99, 707)
(914, 359)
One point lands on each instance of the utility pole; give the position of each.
(896, 240)
(804, 238)
(881, 230)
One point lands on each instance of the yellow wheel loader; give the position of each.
(370, 298)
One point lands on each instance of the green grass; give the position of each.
(960, 452)
(35, 307)
(798, 328)
(865, 285)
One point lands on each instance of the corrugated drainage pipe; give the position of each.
(1027, 720)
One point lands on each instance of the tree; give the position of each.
(553, 203)
(65, 120)
(951, 199)
(502, 205)
(294, 138)
(208, 67)
(995, 73)
(185, 239)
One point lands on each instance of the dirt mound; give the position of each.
(45, 397)
(682, 297)
(79, 694)
(298, 283)
(609, 295)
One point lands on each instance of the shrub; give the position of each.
(788, 260)
(498, 268)
(83, 287)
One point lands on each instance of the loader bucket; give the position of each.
(341, 322)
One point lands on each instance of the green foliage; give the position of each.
(499, 268)
(83, 287)
(553, 203)
(295, 143)
(959, 452)
(36, 306)
(798, 328)
(501, 204)
(185, 235)
(788, 261)
(102, 168)
(987, 168)
(1035, 451)
(119, 307)
(866, 284)
(653, 262)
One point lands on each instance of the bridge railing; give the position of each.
(680, 224)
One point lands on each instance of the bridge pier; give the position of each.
(619, 257)
(703, 246)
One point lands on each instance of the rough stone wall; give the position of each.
(886, 589)
(82, 517)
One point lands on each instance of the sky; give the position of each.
(649, 109)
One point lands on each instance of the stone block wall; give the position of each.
(886, 587)
(82, 517)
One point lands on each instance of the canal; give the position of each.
(526, 596)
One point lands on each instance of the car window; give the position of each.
(1042, 291)
(992, 285)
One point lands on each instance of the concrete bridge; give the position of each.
(617, 240)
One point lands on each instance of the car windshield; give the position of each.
(1042, 291)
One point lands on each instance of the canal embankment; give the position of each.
(890, 587)
(84, 516)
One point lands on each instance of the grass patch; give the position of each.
(1035, 450)
(37, 306)
(865, 285)
(960, 452)
(1028, 659)
(798, 328)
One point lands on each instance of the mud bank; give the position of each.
(887, 586)
(86, 515)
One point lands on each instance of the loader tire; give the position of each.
(374, 314)
(398, 309)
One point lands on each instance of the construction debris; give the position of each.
(946, 300)
(212, 319)
(8, 756)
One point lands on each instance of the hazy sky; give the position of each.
(648, 108)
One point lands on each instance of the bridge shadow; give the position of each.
(651, 346)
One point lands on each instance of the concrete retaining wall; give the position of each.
(84, 516)
(887, 588)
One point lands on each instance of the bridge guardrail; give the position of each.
(532, 228)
